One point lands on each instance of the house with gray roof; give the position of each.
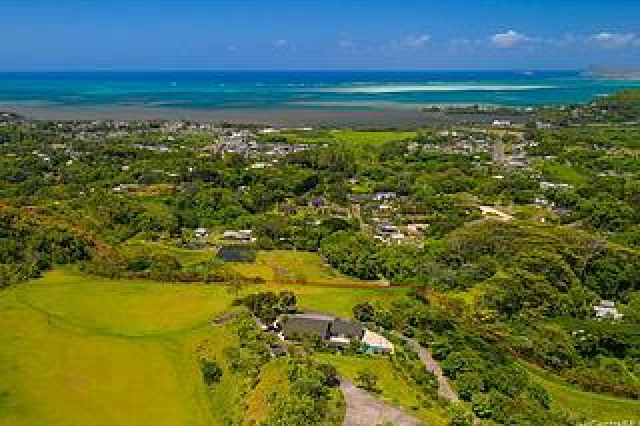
(334, 331)
(326, 327)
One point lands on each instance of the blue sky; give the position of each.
(317, 34)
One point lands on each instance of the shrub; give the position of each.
(211, 372)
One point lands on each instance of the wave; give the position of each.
(436, 88)
(384, 104)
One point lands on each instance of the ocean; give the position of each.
(326, 90)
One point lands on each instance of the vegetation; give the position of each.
(492, 248)
(391, 385)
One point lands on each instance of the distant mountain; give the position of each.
(613, 73)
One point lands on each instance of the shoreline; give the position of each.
(283, 117)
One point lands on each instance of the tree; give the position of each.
(211, 372)
(459, 415)
(364, 312)
(367, 380)
(286, 301)
(330, 373)
(482, 405)
(539, 394)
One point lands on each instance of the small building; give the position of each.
(376, 343)
(260, 165)
(417, 228)
(561, 211)
(552, 185)
(289, 210)
(201, 232)
(317, 202)
(243, 235)
(387, 229)
(607, 310)
(381, 196)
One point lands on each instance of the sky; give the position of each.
(45, 35)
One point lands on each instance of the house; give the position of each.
(607, 309)
(501, 123)
(260, 165)
(289, 210)
(317, 202)
(551, 185)
(561, 211)
(243, 235)
(376, 343)
(385, 231)
(334, 331)
(381, 196)
(322, 325)
(201, 232)
(417, 228)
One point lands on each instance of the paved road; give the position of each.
(364, 409)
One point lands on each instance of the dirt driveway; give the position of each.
(364, 409)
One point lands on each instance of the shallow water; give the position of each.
(296, 89)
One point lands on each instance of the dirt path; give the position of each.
(445, 389)
(364, 409)
(488, 210)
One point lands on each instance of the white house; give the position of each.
(244, 235)
(606, 309)
(376, 343)
(201, 232)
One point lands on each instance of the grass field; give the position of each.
(270, 265)
(272, 379)
(394, 389)
(371, 137)
(561, 173)
(288, 265)
(184, 255)
(591, 405)
(56, 373)
(359, 142)
(79, 350)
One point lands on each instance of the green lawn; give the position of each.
(592, 405)
(123, 307)
(360, 142)
(56, 373)
(273, 265)
(273, 379)
(182, 254)
(80, 350)
(394, 389)
(370, 137)
(561, 173)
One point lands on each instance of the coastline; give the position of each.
(284, 117)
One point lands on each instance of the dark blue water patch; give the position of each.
(237, 254)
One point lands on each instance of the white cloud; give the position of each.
(508, 39)
(281, 43)
(565, 40)
(346, 44)
(417, 40)
(460, 43)
(612, 41)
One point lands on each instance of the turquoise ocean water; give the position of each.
(288, 89)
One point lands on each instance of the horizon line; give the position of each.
(297, 70)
